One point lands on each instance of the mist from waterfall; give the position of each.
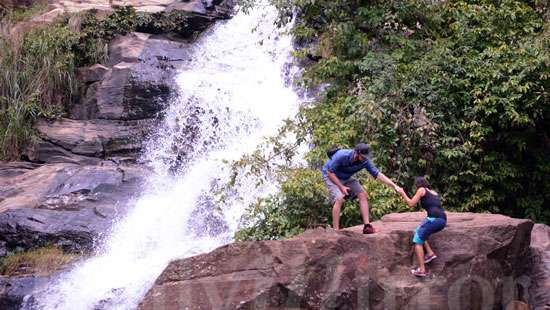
(235, 92)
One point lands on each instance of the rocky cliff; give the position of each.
(482, 264)
(81, 171)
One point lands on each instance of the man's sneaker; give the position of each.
(429, 258)
(419, 273)
(368, 229)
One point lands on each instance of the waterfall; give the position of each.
(233, 93)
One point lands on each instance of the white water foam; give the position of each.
(232, 94)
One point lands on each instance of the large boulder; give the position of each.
(69, 205)
(327, 269)
(139, 82)
(92, 138)
(539, 267)
(75, 231)
(14, 291)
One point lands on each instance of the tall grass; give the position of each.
(36, 79)
(41, 261)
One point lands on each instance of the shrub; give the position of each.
(37, 80)
(457, 90)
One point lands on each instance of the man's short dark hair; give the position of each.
(362, 148)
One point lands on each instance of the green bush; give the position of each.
(161, 22)
(457, 90)
(37, 80)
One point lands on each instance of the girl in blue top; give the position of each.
(436, 221)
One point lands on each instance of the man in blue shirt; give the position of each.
(337, 174)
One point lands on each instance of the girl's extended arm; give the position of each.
(412, 202)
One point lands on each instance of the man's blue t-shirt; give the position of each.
(341, 164)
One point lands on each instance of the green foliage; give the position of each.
(37, 80)
(457, 90)
(161, 22)
(95, 34)
(299, 204)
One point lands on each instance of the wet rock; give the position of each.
(539, 267)
(16, 291)
(69, 205)
(74, 231)
(18, 3)
(15, 168)
(41, 151)
(92, 74)
(517, 305)
(70, 186)
(94, 138)
(326, 269)
(3, 248)
(140, 82)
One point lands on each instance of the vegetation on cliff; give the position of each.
(40, 261)
(457, 90)
(38, 63)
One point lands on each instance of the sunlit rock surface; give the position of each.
(480, 265)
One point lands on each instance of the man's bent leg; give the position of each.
(364, 206)
(337, 198)
(336, 213)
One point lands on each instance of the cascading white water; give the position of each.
(233, 93)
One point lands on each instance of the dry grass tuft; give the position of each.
(42, 261)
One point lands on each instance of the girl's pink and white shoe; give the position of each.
(419, 273)
(429, 258)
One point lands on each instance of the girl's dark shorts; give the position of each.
(429, 226)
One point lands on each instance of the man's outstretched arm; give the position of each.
(384, 179)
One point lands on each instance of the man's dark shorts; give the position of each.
(335, 193)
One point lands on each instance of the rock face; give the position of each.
(82, 169)
(68, 205)
(120, 105)
(539, 267)
(122, 98)
(13, 290)
(325, 269)
(94, 138)
(139, 83)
